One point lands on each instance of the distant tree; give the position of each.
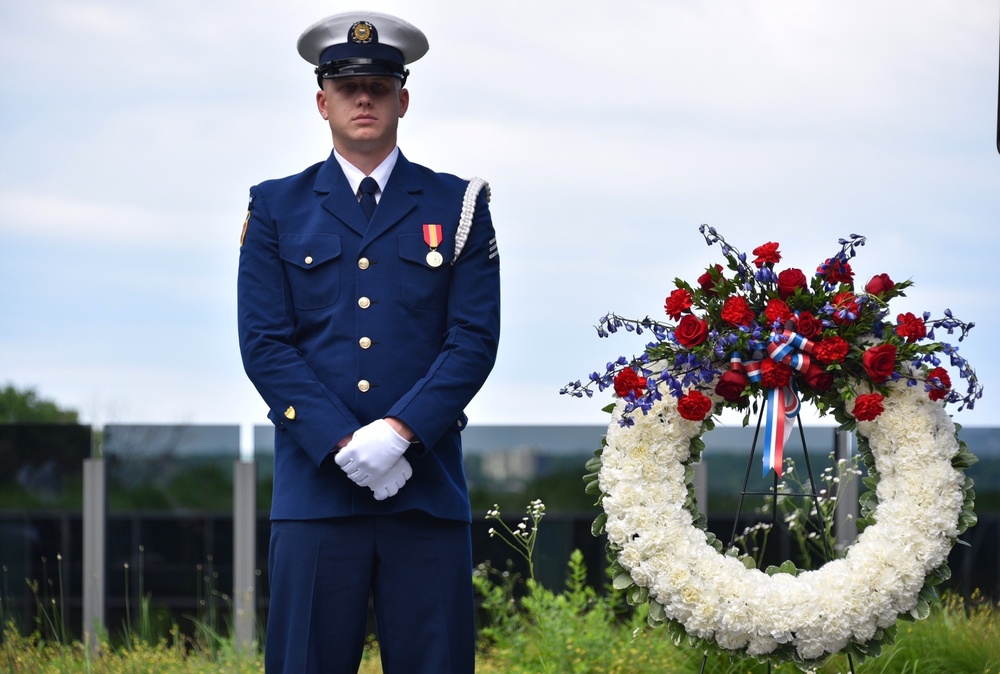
(26, 407)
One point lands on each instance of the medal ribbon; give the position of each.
(432, 235)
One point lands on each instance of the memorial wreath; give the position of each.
(746, 335)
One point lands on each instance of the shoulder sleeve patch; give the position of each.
(246, 223)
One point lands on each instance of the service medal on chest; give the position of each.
(434, 258)
(432, 237)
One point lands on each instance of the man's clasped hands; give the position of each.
(374, 458)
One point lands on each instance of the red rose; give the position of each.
(677, 303)
(831, 350)
(790, 280)
(808, 325)
(938, 392)
(868, 406)
(766, 254)
(845, 308)
(777, 311)
(731, 385)
(879, 361)
(691, 331)
(817, 378)
(694, 406)
(835, 271)
(774, 374)
(910, 327)
(627, 381)
(879, 285)
(737, 311)
(706, 281)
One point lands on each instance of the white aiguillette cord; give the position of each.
(468, 210)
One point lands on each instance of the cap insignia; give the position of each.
(362, 32)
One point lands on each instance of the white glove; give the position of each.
(371, 452)
(390, 483)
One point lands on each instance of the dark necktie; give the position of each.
(368, 189)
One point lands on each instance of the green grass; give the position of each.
(573, 632)
(956, 639)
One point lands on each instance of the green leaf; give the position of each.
(622, 581)
(889, 637)
(964, 459)
(943, 572)
(597, 528)
(868, 498)
(789, 568)
(921, 610)
(637, 595)
(688, 473)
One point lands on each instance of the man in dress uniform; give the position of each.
(367, 332)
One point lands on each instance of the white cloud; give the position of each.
(129, 133)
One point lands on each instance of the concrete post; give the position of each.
(245, 553)
(848, 509)
(94, 550)
(701, 486)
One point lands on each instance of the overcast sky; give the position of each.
(130, 133)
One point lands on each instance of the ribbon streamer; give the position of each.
(782, 406)
(782, 409)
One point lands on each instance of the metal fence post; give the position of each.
(94, 525)
(245, 552)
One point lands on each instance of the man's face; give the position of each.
(363, 111)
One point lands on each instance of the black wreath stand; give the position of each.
(827, 550)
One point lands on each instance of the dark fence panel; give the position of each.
(183, 563)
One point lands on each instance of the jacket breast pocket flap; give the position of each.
(312, 265)
(423, 285)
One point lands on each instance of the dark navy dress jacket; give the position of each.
(342, 322)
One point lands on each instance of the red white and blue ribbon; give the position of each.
(786, 347)
(782, 407)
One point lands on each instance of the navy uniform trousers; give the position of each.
(343, 322)
(320, 591)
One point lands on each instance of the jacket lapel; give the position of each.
(339, 200)
(397, 199)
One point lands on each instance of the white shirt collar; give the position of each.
(381, 173)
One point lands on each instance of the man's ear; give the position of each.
(321, 103)
(404, 101)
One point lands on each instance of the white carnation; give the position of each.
(819, 612)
